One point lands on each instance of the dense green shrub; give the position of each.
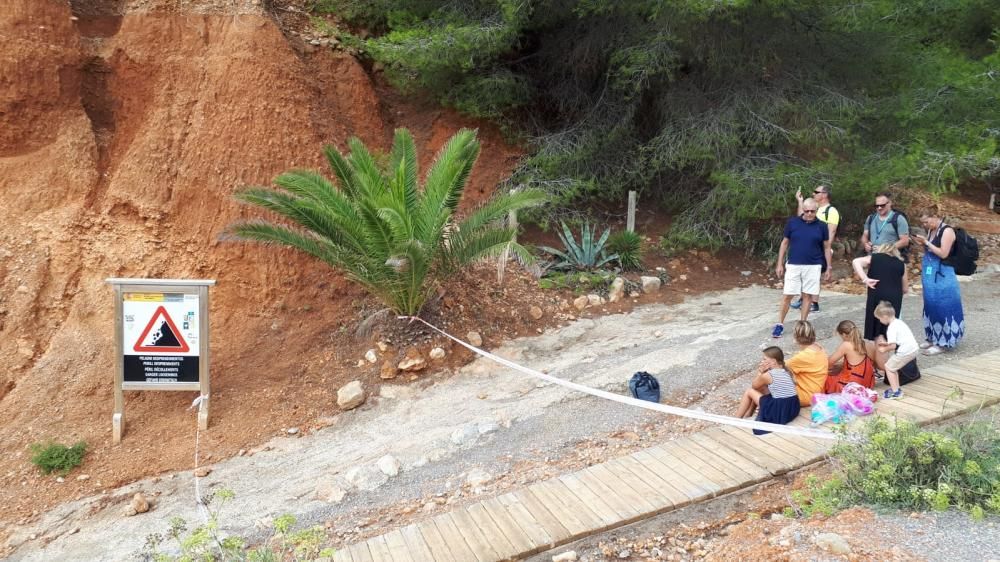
(627, 245)
(905, 466)
(718, 110)
(55, 457)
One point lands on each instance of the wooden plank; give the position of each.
(983, 366)
(620, 488)
(342, 555)
(419, 551)
(379, 549)
(757, 453)
(553, 527)
(625, 509)
(805, 449)
(514, 533)
(460, 549)
(720, 463)
(397, 546)
(436, 543)
(946, 404)
(787, 460)
(690, 471)
(481, 545)
(900, 409)
(684, 450)
(656, 498)
(756, 472)
(609, 517)
(693, 487)
(655, 480)
(965, 372)
(360, 552)
(961, 375)
(915, 398)
(526, 521)
(944, 379)
(491, 531)
(575, 516)
(966, 387)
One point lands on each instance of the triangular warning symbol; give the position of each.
(166, 337)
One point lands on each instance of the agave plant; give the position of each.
(588, 255)
(380, 228)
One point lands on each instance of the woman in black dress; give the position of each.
(884, 279)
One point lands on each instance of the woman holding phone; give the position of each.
(944, 319)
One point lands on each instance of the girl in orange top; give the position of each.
(810, 365)
(858, 366)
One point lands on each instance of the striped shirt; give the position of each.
(782, 385)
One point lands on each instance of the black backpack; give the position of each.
(644, 386)
(894, 221)
(964, 252)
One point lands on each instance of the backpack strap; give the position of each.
(894, 221)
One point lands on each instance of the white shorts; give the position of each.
(802, 279)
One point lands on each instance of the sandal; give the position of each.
(933, 350)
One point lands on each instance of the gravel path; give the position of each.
(515, 429)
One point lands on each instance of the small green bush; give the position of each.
(578, 282)
(905, 466)
(55, 457)
(627, 245)
(206, 542)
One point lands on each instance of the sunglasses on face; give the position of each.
(808, 211)
(818, 191)
(879, 206)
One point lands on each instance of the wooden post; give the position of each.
(630, 224)
(118, 414)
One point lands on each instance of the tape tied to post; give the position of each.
(810, 432)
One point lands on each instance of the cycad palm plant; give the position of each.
(379, 227)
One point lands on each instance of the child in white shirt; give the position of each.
(899, 339)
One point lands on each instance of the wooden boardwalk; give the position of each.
(677, 473)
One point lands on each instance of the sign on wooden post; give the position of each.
(630, 221)
(161, 340)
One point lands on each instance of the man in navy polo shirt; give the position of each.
(807, 243)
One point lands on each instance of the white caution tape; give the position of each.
(664, 408)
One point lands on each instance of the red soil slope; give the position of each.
(122, 138)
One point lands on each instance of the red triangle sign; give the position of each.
(166, 337)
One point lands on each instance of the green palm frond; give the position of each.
(379, 227)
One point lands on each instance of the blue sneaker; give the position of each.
(890, 395)
(796, 304)
(778, 330)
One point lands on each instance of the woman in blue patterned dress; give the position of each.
(944, 321)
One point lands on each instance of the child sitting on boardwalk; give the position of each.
(856, 354)
(810, 366)
(773, 390)
(898, 339)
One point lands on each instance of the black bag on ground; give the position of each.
(964, 252)
(644, 386)
(909, 373)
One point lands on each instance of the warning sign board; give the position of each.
(160, 334)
